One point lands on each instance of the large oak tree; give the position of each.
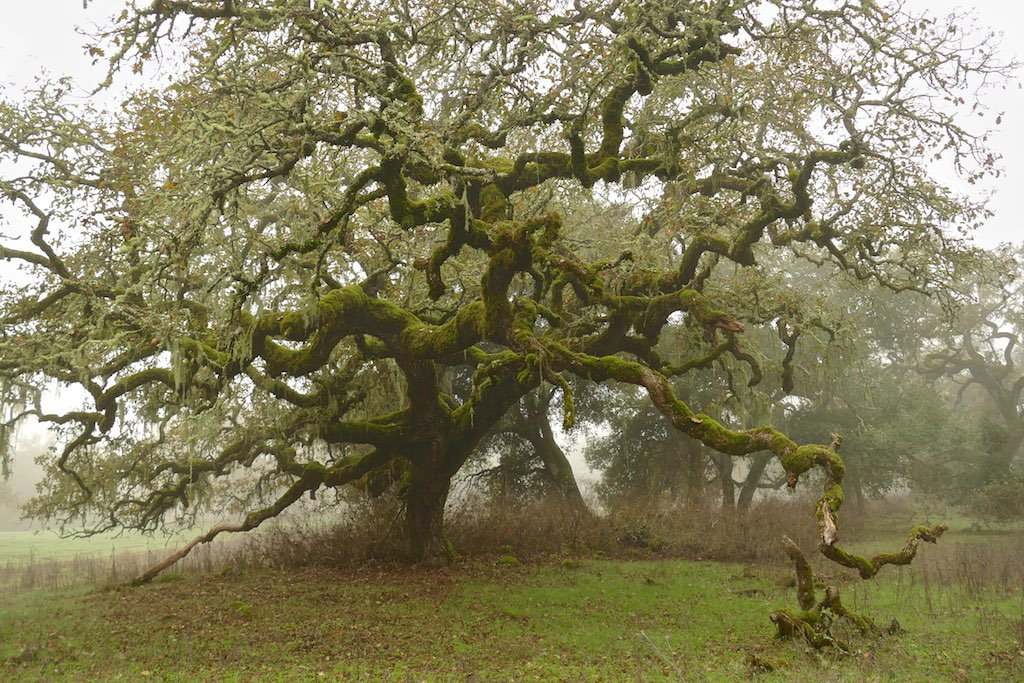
(256, 270)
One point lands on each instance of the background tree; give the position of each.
(531, 462)
(639, 456)
(979, 352)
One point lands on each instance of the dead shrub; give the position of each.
(367, 530)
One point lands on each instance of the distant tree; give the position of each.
(639, 455)
(529, 458)
(319, 193)
(979, 350)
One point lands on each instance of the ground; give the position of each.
(499, 619)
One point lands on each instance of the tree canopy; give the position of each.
(258, 271)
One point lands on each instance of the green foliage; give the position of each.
(634, 449)
(1000, 501)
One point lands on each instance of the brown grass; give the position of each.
(370, 532)
(119, 567)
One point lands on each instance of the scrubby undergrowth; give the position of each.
(369, 532)
(538, 529)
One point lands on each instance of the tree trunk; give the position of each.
(694, 472)
(853, 471)
(1011, 446)
(425, 500)
(557, 465)
(757, 466)
(724, 465)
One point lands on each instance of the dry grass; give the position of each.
(978, 563)
(548, 527)
(370, 532)
(538, 529)
(118, 567)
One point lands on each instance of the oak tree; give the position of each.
(247, 280)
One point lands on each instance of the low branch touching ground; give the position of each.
(251, 521)
(814, 622)
(151, 573)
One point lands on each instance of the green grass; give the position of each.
(592, 619)
(21, 546)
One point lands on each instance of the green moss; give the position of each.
(611, 119)
(608, 170)
(497, 163)
(833, 497)
(533, 168)
(493, 204)
(568, 406)
(405, 89)
(716, 435)
(203, 350)
(405, 211)
(800, 460)
(434, 341)
(804, 574)
(864, 567)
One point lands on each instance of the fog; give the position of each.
(20, 486)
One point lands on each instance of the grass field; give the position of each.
(31, 560)
(20, 546)
(555, 617)
(499, 620)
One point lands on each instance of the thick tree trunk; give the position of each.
(425, 500)
(757, 466)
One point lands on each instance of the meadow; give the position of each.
(43, 559)
(570, 615)
(49, 545)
